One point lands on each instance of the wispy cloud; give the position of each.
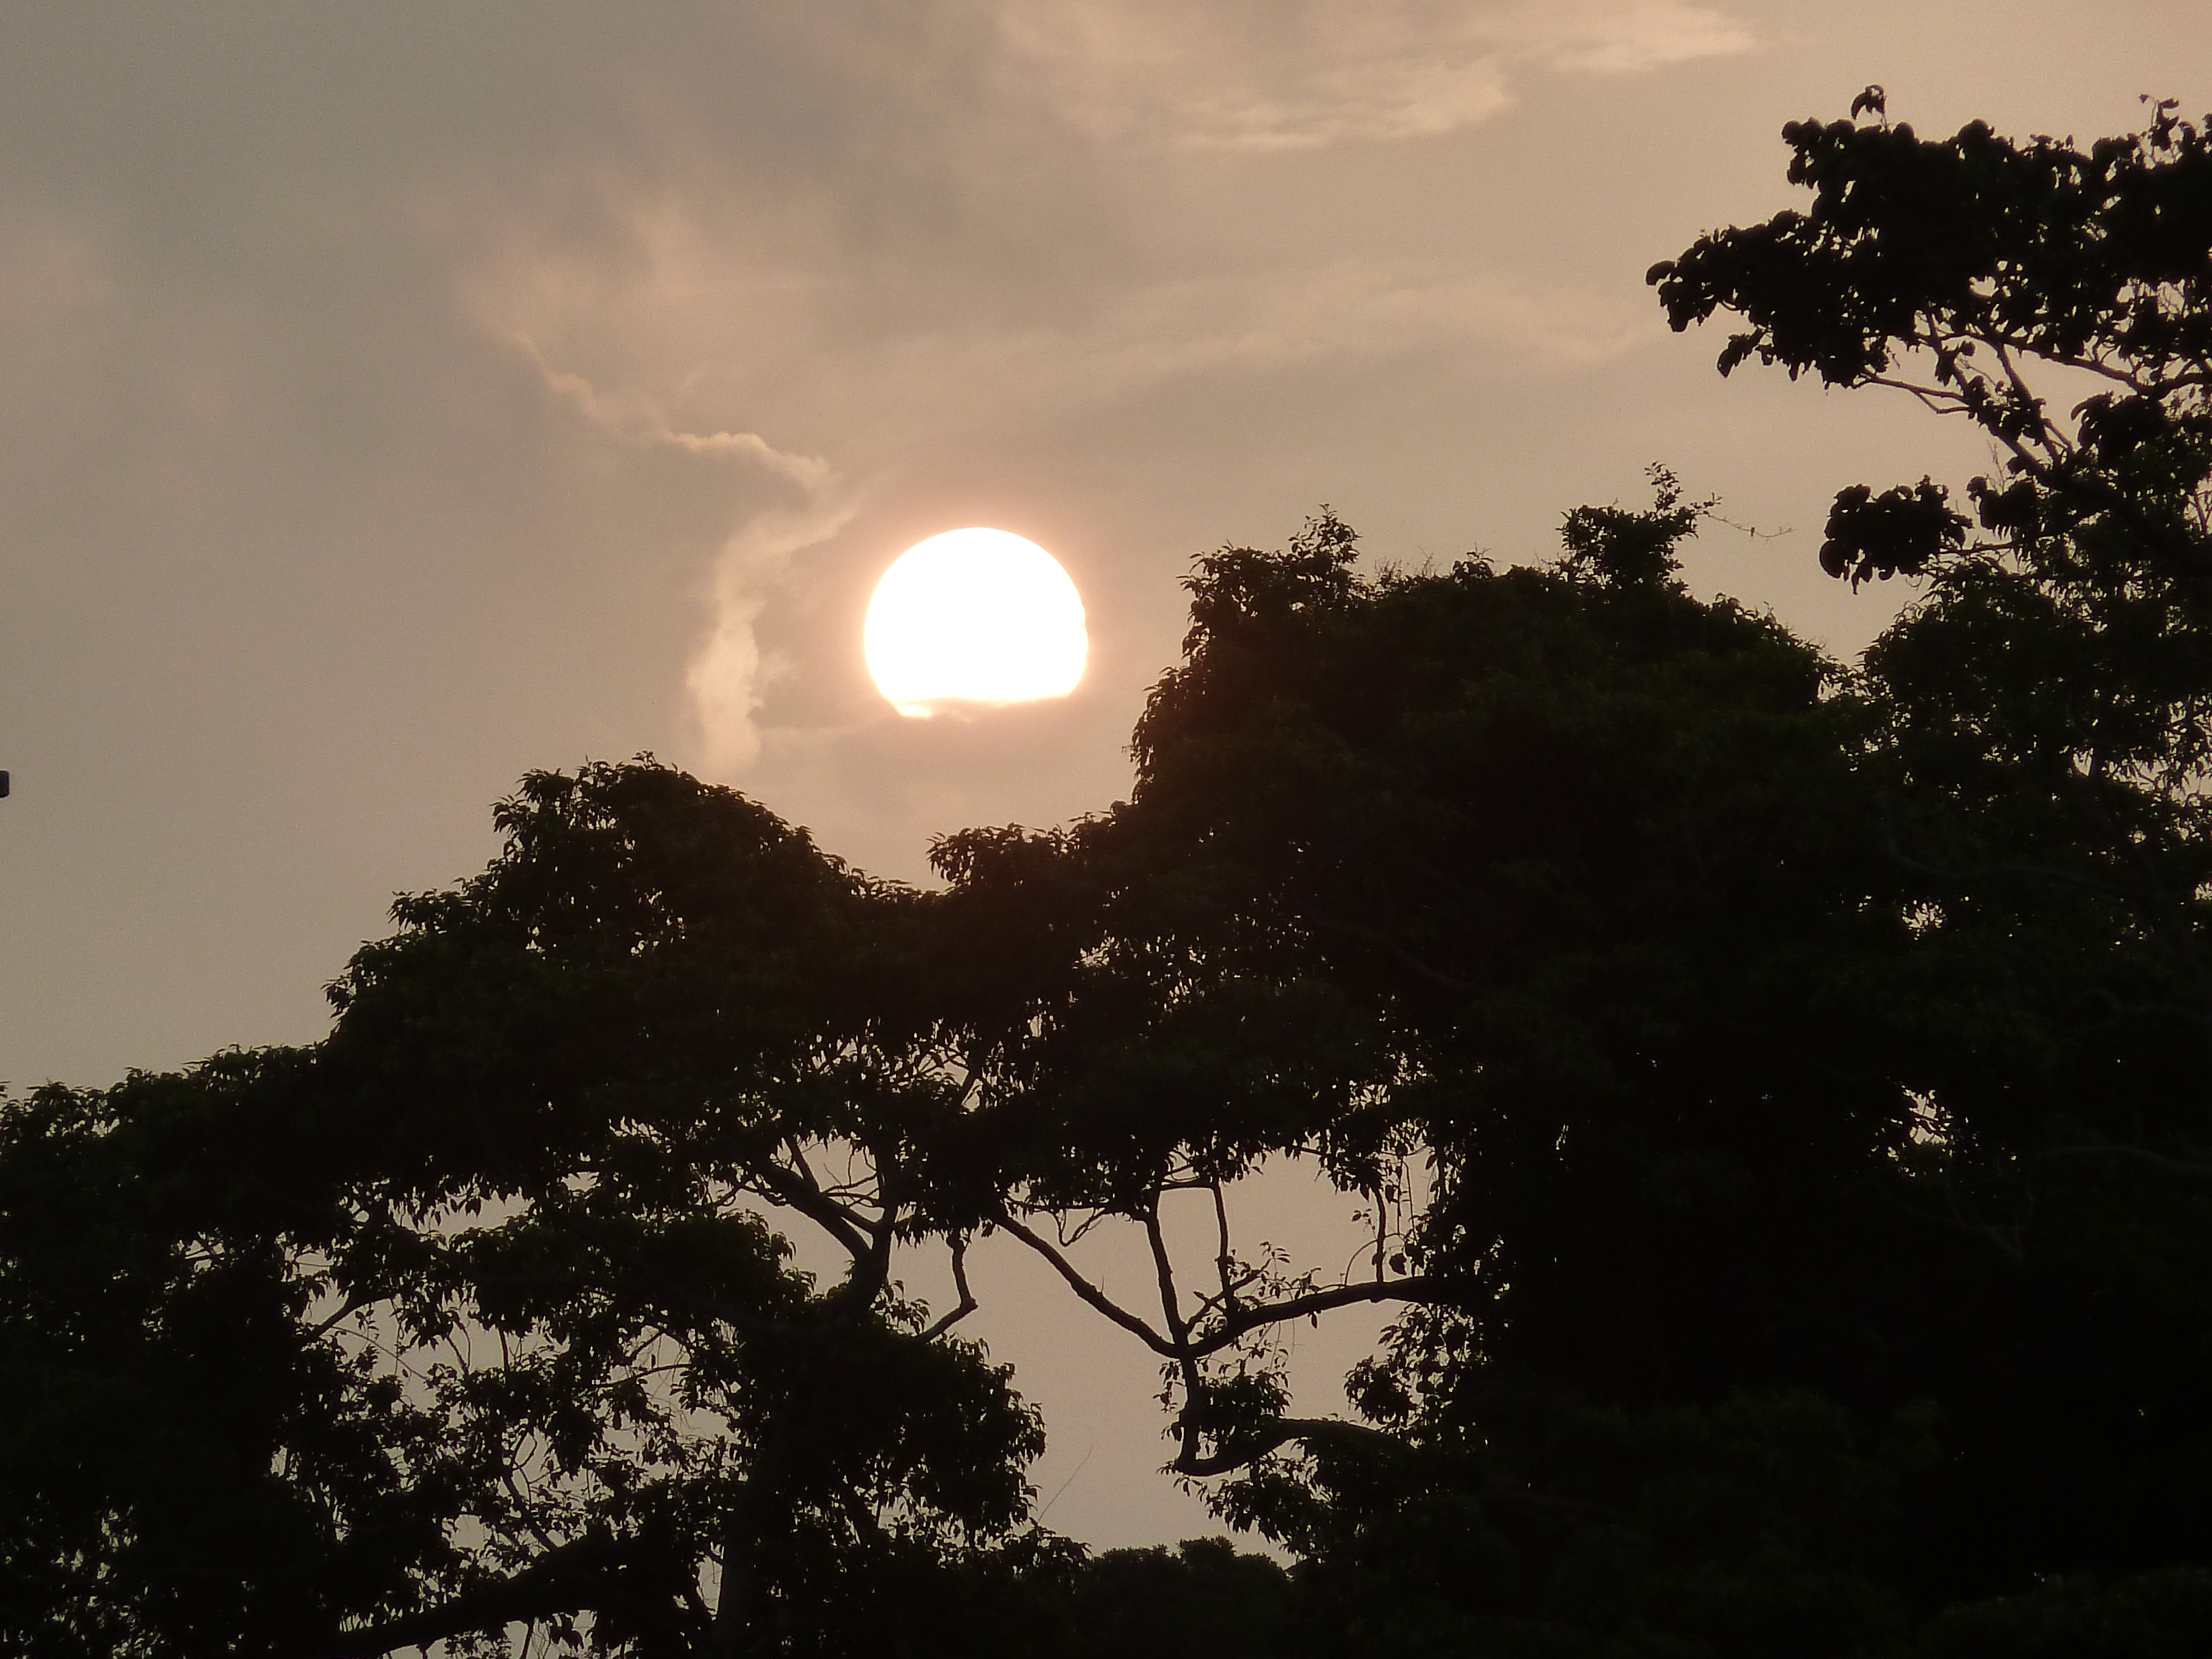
(1354, 312)
(960, 273)
(633, 418)
(725, 675)
(1262, 75)
(1361, 308)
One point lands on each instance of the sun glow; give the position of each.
(975, 617)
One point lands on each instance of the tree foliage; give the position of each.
(1775, 1090)
(473, 1316)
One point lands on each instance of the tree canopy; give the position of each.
(1776, 1089)
(474, 1315)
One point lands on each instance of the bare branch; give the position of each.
(804, 1195)
(1415, 1287)
(1164, 1266)
(1085, 1289)
(968, 1303)
(351, 1306)
(1224, 1261)
(1381, 1233)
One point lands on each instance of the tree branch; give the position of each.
(1163, 1266)
(568, 1579)
(1085, 1289)
(1415, 1287)
(782, 1186)
(1224, 1261)
(1251, 1448)
(968, 1303)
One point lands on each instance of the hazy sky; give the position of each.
(394, 397)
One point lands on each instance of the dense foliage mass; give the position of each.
(1777, 1091)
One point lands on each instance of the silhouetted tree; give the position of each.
(1405, 856)
(2041, 758)
(1557, 884)
(476, 1314)
(1810, 1063)
(1778, 1091)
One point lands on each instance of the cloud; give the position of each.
(633, 418)
(671, 308)
(726, 674)
(1275, 74)
(1356, 312)
(1370, 308)
(977, 260)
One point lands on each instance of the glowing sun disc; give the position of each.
(975, 617)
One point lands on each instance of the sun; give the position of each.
(975, 617)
